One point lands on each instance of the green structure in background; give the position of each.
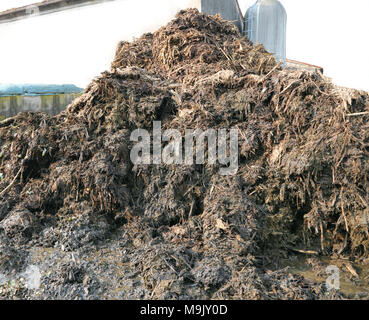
(30, 97)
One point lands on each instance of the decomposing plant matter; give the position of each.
(303, 166)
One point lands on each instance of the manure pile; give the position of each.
(98, 227)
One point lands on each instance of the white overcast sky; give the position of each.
(332, 34)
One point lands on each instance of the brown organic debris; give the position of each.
(303, 167)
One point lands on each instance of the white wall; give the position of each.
(74, 46)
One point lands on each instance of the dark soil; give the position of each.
(99, 227)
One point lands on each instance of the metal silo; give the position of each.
(265, 23)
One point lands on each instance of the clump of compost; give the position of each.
(186, 231)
